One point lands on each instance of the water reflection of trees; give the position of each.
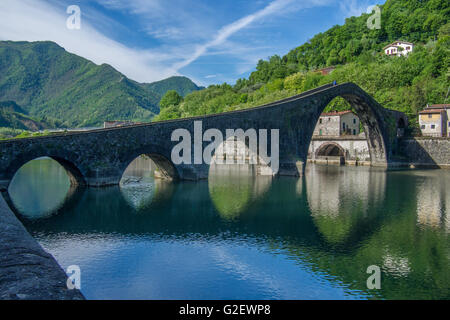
(390, 233)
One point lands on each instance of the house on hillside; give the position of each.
(434, 120)
(337, 124)
(399, 48)
(325, 71)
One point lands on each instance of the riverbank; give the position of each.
(27, 272)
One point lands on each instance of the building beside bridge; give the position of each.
(337, 124)
(434, 120)
(337, 139)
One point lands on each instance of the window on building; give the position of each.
(433, 126)
(354, 121)
(354, 132)
(430, 116)
(449, 124)
(343, 125)
(320, 120)
(422, 127)
(320, 132)
(408, 48)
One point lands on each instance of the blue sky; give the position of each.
(209, 41)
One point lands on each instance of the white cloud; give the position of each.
(35, 20)
(354, 8)
(227, 31)
(191, 25)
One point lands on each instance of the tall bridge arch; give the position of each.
(99, 157)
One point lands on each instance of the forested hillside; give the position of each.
(64, 90)
(12, 115)
(404, 84)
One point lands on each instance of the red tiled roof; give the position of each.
(438, 106)
(434, 111)
(394, 44)
(335, 113)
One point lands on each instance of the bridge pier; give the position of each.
(292, 169)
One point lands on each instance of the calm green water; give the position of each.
(242, 237)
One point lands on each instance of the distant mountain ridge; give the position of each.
(58, 88)
(180, 84)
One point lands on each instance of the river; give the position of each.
(237, 236)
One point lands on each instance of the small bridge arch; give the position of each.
(65, 159)
(158, 155)
(330, 149)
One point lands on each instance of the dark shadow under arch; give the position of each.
(374, 127)
(163, 163)
(330, 149)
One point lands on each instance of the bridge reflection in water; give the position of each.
(244, 237)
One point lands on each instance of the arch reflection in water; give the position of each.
(139, 186)
(339, 198)
(39, 188)
(233, 188)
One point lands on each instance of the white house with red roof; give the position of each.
(399, 48)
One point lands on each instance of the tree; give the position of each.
(171, 98)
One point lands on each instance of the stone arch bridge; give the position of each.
(99, 157)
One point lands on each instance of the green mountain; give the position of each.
(182, 85)
(405, 84)
(63, 89)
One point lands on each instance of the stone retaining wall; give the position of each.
(426, 151)
(27, 272)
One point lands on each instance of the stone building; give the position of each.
(337, 124)
(434, 120)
